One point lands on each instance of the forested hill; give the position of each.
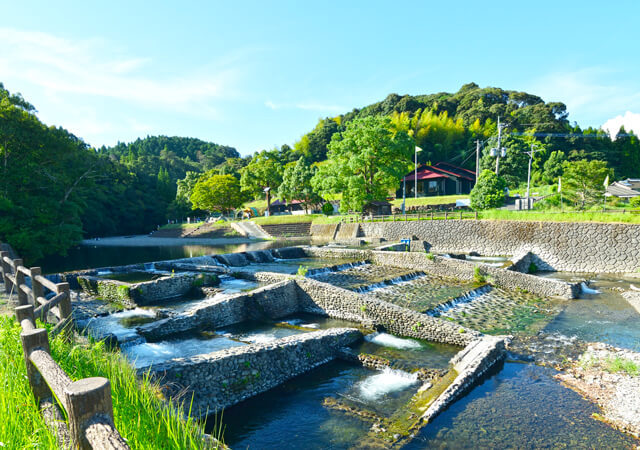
(447, 125)
(176, 154)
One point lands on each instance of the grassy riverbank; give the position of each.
(141, 415)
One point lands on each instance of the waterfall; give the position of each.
(464, 298)
(389, 340)
(336, 268)
(385, 382)
(391, 282)
(587, 290)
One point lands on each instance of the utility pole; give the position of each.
(530, 153)
(499, 148)
(477, 159)
(415, 162)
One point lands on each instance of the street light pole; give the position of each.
(404, 193)
(530, 153)
(415, 162)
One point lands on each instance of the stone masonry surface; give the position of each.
(461, 269)
(221, 379)
(573, 247)
(273, 302)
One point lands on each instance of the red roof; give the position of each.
(424, 174)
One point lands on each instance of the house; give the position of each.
(377, 208)
(624, 189)
(438, 179)
(295, 207)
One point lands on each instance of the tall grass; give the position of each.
(141, 414)
(21, 425)
(424, 201)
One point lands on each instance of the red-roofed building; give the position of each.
(439, 179)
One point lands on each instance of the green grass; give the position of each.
(619, 364)
(276, 220)
(553, 216)
(184, 226)
(141, 414)
(424, 201)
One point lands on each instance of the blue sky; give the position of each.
(254, 75)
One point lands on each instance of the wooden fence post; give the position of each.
(476, 215)
(87, 399)
(6, 270)
(446, 215)
(36, 287)
(25, 313)
(65, 305)
(431, 214)
(23, 298)
(460, 214)
(31, 340)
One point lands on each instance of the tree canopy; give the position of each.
(217, 193)
(365, 162)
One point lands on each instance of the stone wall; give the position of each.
(461, 269)
(272, 302)
(221, 379)
(575, 247)
(138, 294)
(323, 298)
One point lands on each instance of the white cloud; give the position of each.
(631, 122)
(96, 68)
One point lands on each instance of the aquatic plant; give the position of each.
(302, 271)
(533, 268)
(478, 276)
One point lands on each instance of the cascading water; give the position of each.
(389, 340)
(587, 290)
(121, 324)
(385, 382)
(336, 268)
(391, 282)
(465, 298)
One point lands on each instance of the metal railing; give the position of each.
(87, 402)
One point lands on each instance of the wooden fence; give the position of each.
(431, 215)
(87, 402)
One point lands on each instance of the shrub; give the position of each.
(488, 191)
(533, 268)
(302, 271)
(327, 209)
(478, 276)
(430, 256)
(635, 202)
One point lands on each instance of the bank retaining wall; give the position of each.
(575, 247)
(221, 379)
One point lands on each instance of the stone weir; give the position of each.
(559, 246)
(299, 294)
(221, 379)
(461, 269)
(269, 302)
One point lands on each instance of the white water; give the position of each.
(587, 290)
(389, 340)
(149, 353)
(101, 326)
(385, 382)
(302, 323)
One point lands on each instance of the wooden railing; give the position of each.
(431, 215)
(87, 402)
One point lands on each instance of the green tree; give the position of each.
(365, 162)
(296, 184)
(488, 191)
(217, 193)
(584, 181)
(553, 167)
(264, 170)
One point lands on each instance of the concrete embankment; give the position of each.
(558, 246)
(224, 378)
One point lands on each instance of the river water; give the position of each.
(519, 405)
